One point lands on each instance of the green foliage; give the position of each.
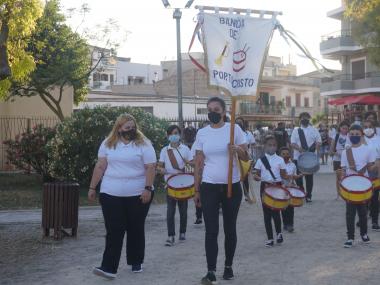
(29, 150)
(73, 151)
(21, 17)
(365, 15)
(318, 118)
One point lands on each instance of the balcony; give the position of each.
(337, 44)
(345, 84)
(248, 108)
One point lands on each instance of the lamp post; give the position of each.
(177, 14)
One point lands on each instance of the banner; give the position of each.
(235, 47)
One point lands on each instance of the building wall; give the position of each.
(147, 72)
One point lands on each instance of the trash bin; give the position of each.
(60, 208)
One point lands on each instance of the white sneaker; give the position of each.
(269, 243)
(348, 243)
(170, 241)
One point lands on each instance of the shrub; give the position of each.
(28, 150)
(73, 150)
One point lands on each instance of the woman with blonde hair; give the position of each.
(126, 166)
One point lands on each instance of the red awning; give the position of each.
(358, 99)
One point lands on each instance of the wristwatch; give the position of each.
(149, 188)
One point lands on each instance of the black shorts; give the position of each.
(336, 165)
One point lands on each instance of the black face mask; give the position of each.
(129, 135)
(214, 117)
(305, 122)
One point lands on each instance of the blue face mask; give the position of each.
(174, 138)
(355, 139)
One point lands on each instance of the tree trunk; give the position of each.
(5, 70)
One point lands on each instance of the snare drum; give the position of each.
(297, 196)
(181, 186)
(275, 197)
(376, 184)
(356, 189)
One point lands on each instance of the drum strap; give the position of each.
(351, 162)
(336, 141)
(173, 160)
(304, 145)
(265, 161)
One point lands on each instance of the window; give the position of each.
(272, 100)
(264, 96)
(202, 111)
(298, 100)
(104, 77)
(111, 78)
(358, 69)
(288, 101)
(306, 102)
(96, 77)
(319, 102)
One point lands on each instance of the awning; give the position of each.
(358, 99)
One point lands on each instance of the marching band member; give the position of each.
(173, 159)
(373, 140)
(291, 173)
(270, 168)
(358, 159)
(126, 165)
(211, 180)
(305, 138)
(338, 144)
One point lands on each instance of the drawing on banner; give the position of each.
(224, 54)
(239, 59)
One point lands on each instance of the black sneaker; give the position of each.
(348, 243)
(209, 279)
(280, 238)
(170, 241)
(102, 273)
(198, 222)
(375, 227)
(269, 243)
(228, 273)
(365, 238)
(137, 268)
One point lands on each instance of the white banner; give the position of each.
(235, 48)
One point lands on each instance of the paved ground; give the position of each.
(313, 254)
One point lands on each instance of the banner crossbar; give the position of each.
(238, 10)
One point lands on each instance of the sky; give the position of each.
(152, 29)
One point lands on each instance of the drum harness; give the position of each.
(304, 145)
(351, 162)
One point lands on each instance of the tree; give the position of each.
(17, 21)
(365, 15)
(62, 59)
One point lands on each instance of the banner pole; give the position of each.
(232, 140)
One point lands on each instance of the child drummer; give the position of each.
(173, 159)
(291, 172)
(362, 160)
(270, 169)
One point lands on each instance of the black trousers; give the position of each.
(288, 216)
(374, 207)
(309, 182)
(270, 214)
(198, 212)
(212, 196)
(123, 214)
(351, 210)
(170, 214)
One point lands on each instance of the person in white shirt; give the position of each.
(126, 165)
(178, 154)
(372, 116)
(291, 173)
(276, 164)
(363, 160)
(373, 141)
(338, 143)
(212, 147)
(312, 144)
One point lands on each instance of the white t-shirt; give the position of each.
(249, 138)
(332, 133)
(164, 157)
(291, 169)
(378, 131)
(125, 173)
(362, 156)
(276, 163)
(341, 144)
(374, 143)
(214, 144)
(311, 134)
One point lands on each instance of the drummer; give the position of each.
(311, 143)
(363, 160)
(291, 172)
(173, 159)
(270, 168)
(373, 140)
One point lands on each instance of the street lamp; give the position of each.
(177, 14)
